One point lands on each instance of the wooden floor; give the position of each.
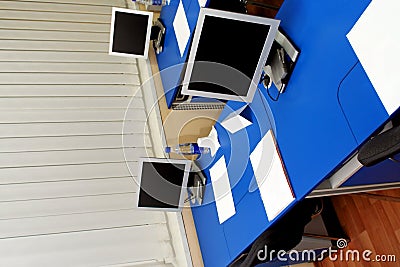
(373, 223)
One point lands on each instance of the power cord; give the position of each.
(263, 80)
(277, 97)
(190, 198)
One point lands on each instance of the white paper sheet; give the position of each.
(234, 122)
(375, 38)
(275, 190)
(222, 190)
(181, 28)
(211, 141)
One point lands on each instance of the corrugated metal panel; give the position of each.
(68, 90)
(102, 247)
(66, 193)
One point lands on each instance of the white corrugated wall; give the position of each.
(66, 194)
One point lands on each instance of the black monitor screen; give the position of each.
(161, 185)
(227, 55)
(232, 43)
(130, 33)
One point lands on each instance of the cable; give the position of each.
(189, 199)
(277, 97)
(264, 76)
(190, 196)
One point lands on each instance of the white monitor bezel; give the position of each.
(263, 57)
(187, 164)
(148, 32)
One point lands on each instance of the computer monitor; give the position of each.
(130, 32)
(162, 183)
(228, 53)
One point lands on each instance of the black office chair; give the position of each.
(285, 234)
(383, 146)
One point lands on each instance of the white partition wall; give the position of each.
(66, 194)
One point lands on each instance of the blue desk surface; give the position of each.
(317, 123)
(170, 62)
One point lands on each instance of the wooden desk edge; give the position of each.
(188, 221)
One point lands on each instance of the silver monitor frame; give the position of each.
(148, 32)
(262, 60)
(187, 169)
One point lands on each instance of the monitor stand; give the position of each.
(196, 185)
(157, 35)
(280, 63)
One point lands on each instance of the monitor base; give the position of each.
(280, 63)
(196, 185)
(158, 35)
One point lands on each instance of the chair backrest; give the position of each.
(383, 146)
(284, 235)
